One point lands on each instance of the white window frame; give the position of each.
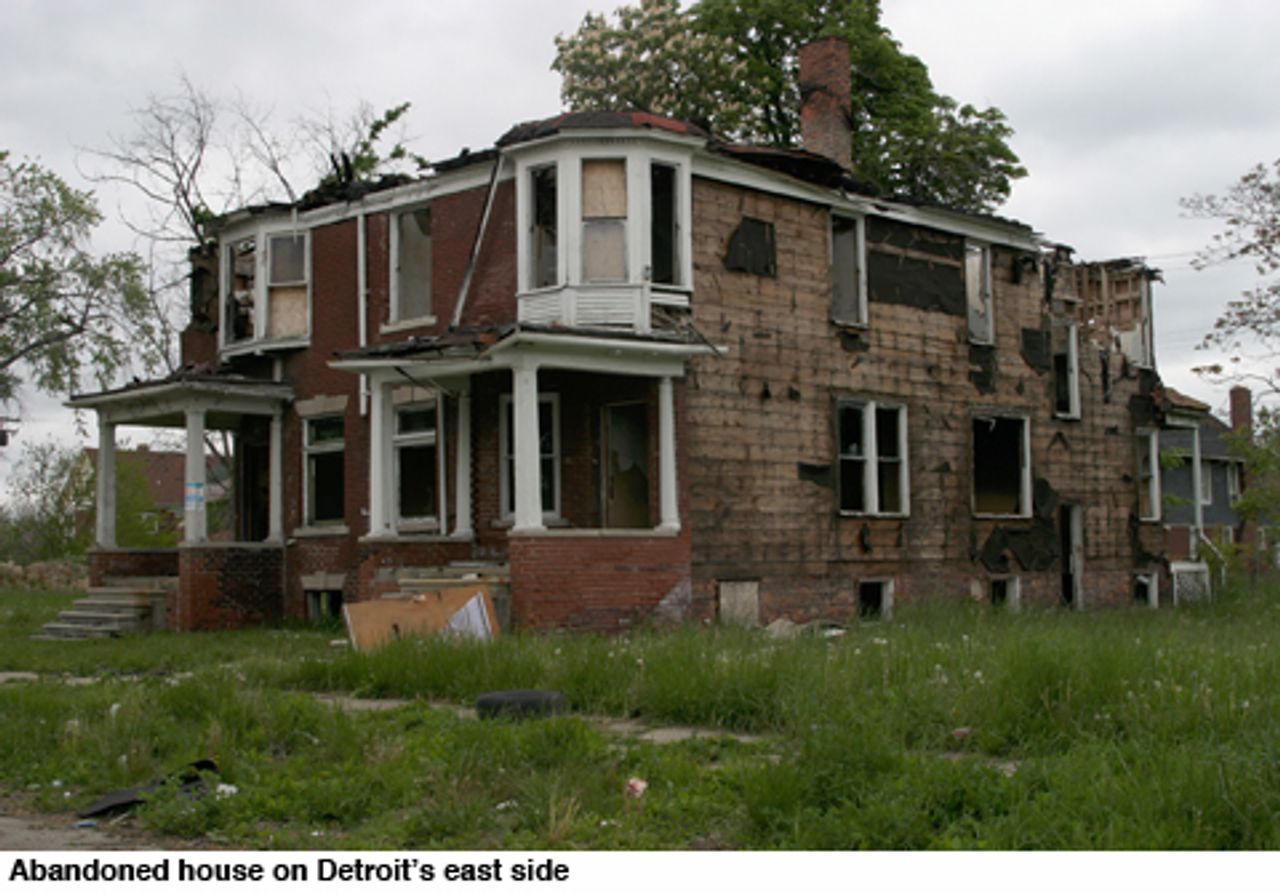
(310, 449)
(1024, 456)
(1206, 481)
(861, 312)
(871, 459)
(416, 439)
(639, 155)
(506, 447)
(979, 298)
(1073, 375)
(262, 236)
(394, 318)
(1152, 451)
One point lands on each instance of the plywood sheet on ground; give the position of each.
(465, 610)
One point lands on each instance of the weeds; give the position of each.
(947, 728)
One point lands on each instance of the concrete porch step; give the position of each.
(64, 631)
(124, 605)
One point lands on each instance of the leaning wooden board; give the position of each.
(376, 622)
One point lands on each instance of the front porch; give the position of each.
(236, 578)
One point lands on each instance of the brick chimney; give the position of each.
(826, 99)
(1241, 409)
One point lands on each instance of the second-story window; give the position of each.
(544, 270)
(411, 265)
(848, 272)
(287, 286)
(265, 287)
(977, 283)
(664, 225)
(604, 220)
(1066, 370)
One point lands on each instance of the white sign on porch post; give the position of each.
(196, 527)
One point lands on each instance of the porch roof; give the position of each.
(163, 402)
(467, 352)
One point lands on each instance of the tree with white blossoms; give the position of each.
(731, 65)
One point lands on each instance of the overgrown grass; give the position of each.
(948, 727)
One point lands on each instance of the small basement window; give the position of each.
(1001, 466)
(1145, 591)
(324, 466)
(1005, 592)
(875, 599)
(323, 604)
(977, 282)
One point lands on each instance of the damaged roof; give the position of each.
(600, 120)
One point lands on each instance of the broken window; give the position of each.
(411, 265)
(1066, 370)
(604, 220)
(542, 225)
(240, 270)
(872, 457)
(664, 225)
(1148, 447)
(548, 455)
(324, 462)
(1001, 466)
(416, 465)
(752, 248)
(875, 599)
(848, 272)
(977, 282)
(1005, 592)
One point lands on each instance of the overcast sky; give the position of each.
(1120, 107)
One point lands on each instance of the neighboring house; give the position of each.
(640, 372)
(163, 472)
(1201, 476)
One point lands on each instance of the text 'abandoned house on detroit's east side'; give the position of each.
(638, 372)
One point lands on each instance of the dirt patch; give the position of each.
(24, 830)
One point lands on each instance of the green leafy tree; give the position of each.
(64, 312)
(732, 65)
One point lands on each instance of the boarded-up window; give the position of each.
(287, 286)
(848, 298)
(752, 248)
(542, 226)
(604, 220)
(1000, 466)
(664, 227)
(977, 281)
(412, 265)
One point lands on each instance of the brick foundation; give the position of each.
(228, 586)
(104, 563)
(599, 583)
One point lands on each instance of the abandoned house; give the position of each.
(633, 371)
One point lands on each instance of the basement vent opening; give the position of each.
(875, 599)
(323, 604)
(1005, 593)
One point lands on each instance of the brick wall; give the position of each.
(591, 582)
(228, 587)
(105, 563)
(762, 433)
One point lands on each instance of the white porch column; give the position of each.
(106, 485)
(668, 492)
(462, 470)
(196, 526)
(275, 497)
(379, 467)
(528, 465)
